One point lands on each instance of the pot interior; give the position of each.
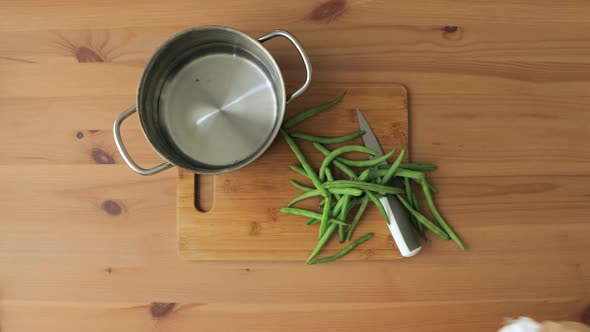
(211, 100)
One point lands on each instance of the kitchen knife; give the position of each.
(399, 220)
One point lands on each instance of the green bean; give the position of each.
(346, 191)
(357, 217)
(418, 177)
(312, 221)
(367, 163)
(308, 113)
(363, 186)
(378, 204)
(329, 140)
(408, 188)
(305, 195)
(354, 201)
(329, 174)
(345, 169)
(335, 210)
(365, 175)
(431, 187)
(413, 202)
(341, 150)
(306, 166)
(337, 192)
(337, 207)
(325, 215)
(406, 173)
(400, 172)
(375, 175)
(416, 207)
(427, 223)
(341, 210)
(341, 233)
(438, 217)
(343, 215)
(300, 186)
(299, 170)
(330, 177)
(344, 251)
(380, 171)
(393, 167)
(419, 167)
(310, 214)
(322, 242)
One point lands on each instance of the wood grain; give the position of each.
(292, 317)
(500, 100)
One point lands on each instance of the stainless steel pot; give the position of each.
(211, 100)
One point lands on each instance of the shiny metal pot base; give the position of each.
(218, 109)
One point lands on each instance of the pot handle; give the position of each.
(304, 57)
(125, 154)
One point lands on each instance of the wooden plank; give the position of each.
(491, 213)
(131, 317)
(68, 14)
(112, 277)
(531, 129)
(472, 44)
(89, 79)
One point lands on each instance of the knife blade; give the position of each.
(399, 220)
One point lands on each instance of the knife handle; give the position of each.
(399, 226)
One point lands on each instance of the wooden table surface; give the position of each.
(500, 100)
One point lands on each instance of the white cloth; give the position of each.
(522, 324)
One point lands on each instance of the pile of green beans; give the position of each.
(368, 180)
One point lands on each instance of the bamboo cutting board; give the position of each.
(244, 223)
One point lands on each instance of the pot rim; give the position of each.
(281, 109)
